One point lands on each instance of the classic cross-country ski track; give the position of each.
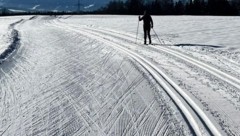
(171, 88)
(218, 73)
(67, 76)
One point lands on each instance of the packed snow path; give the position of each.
(72, 79)
(65, 83)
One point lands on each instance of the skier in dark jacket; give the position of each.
(147, 25)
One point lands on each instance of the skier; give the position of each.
(147, 25)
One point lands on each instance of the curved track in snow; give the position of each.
(64, 83)
(170, 87)
(212, 70)
(229, 84)
(72, 79)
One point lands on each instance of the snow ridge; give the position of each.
(15, 42)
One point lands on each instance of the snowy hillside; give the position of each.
(60, 5)
(88, 75)
(55, 5)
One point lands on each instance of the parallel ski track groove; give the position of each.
(218, 73)
(155, 71)
(222, 75)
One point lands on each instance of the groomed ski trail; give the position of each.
(162, 79)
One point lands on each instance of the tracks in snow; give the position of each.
(191, 111)
(210, 69)
(84, 88)
(231, 82)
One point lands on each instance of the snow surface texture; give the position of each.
(85, 75)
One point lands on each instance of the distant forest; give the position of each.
(168, 7)
(155, 7)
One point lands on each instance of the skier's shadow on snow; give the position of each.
(198, 45)
(189, 45)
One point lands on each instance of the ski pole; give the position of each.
(137, 31)
(157, 36)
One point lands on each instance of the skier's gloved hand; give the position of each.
(152, 26)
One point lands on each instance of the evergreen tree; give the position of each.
(115, 7)
(168, 7)
(135, 6)
(189, 8)
(220, 7)
(179, 8)
(156, 7)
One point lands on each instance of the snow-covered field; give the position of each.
(203, 30)
(86, 75)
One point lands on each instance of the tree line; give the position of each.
(155, 7)
(168, 7)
